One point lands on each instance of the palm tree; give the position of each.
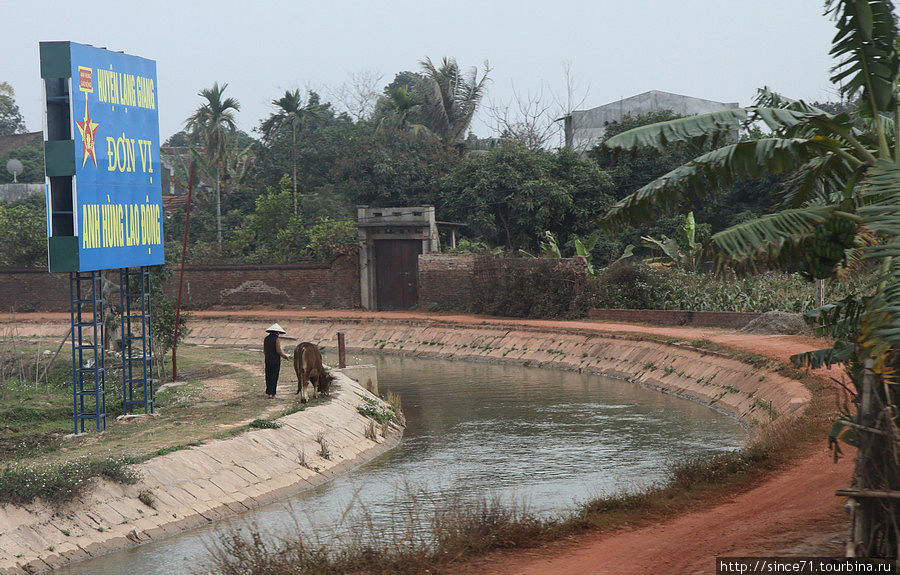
(402, 101)
(450, 98)
(841, 201)
(211, 125)
(291, 116)
(400, 109)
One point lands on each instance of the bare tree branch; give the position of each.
(537, 119)
(571, 99)
(359, 94)
(528, 118)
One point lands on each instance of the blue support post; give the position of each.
(137, 347)
(88, 355)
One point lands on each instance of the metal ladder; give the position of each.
(88, 367)
(137, 344)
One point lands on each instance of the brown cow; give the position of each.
(308, 365)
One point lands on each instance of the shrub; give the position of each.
(627, 285)
(22, 231)
(760, 293)
(264, 424)
(57, 483)
(147, 498)
(328, 238)
(530, 287)
(379, 414)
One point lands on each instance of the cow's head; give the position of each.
(325, 382)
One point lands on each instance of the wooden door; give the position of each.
(397, 273)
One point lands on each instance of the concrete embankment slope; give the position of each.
(207, 482)
(194, 486)
(749, 393)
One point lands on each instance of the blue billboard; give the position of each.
(116, 192)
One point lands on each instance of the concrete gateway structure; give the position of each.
(390, 242)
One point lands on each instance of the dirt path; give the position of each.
(794, 512)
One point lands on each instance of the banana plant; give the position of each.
(689, 257)
(583, 248)
(549, 246)
(842, 185)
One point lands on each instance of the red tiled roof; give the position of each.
(16, 141)
(173, 203)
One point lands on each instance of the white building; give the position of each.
(584, 129)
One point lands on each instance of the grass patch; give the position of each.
(170, 449)
(17, 445)
(264, 424)
(369, 431)
(396, 404)
(58, 483)
(222, 388)
(324, 450)
(292, 409)
(378, 413)
(462, 529)
(765, 406)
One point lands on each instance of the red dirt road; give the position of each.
(794, 512)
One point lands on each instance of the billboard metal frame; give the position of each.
(104, 210)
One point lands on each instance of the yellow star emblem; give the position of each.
(88, 131)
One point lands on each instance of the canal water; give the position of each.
(541, 438)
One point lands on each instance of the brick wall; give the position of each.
(727, 319)
(445, 282)
(302, 284)
(25, 290)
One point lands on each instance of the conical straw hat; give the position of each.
(276, 327)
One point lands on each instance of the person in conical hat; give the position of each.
(273, 354)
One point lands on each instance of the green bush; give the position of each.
(328, 238)
(57, 483)
(379, 414)
(629, 285)
(530, 287)
(23, 233)
(759, 293)
(264, 424)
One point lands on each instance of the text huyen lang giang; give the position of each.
(120, 225)
(125, 89)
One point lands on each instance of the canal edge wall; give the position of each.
(754, 396)
(195, 486)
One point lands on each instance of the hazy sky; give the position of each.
(715, 49)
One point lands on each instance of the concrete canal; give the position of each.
(544, 437)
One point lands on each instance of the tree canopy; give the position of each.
(840, 205)
(11, 120)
